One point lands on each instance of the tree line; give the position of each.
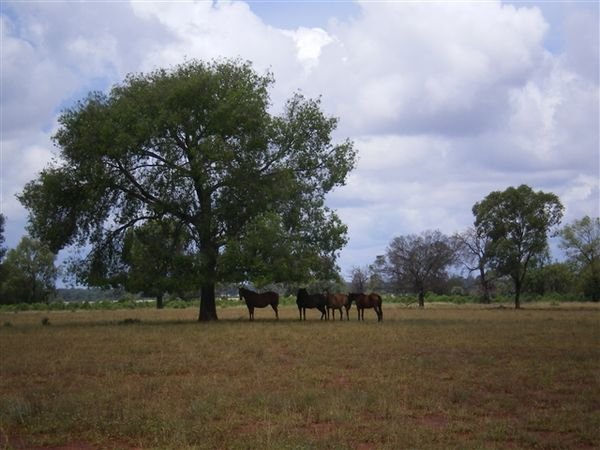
(183, 179)
(503, 260)
(414, 264)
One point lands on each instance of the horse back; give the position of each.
(260, 300)
(306, 300)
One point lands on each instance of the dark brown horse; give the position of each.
(364, 301)
(256, 300)
(305, 300)
(338, 301)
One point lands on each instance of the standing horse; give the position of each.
(256, 300)
(364, 301)
(338, 301)
(305, 300)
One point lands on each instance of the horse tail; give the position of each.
(380, 305)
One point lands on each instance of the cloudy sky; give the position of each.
(445, 101)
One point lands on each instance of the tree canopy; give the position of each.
(197, 146)
(517, 222)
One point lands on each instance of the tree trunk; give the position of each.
(421, 298)
(159, 301)
(485, 285)
(209, 252)
(517, 295)
(208, 306)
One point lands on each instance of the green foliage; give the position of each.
(517, 222)
(196, 147)
(581, 241)
(159, 260)
(550, 278)
(29, 273)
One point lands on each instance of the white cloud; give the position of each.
(445, 101)
(309, 43)
(423, 67)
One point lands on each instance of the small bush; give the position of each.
(130, 321)
(45, 321)
(15, 410)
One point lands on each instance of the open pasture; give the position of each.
(442, 377)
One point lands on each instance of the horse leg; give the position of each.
(276, 312)
(251, 311)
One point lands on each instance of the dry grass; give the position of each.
(442, 377)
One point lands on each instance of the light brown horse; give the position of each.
(364, 301)
(256, 300)
(338, 301)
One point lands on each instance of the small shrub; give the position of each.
(129, 321)
(15, 410)
(45, 321)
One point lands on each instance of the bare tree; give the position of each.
(359, 278)
(419, 261)
(472, 248)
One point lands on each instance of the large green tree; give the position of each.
(581, 241)
(197, 145)
(517, 221)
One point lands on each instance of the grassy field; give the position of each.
(443, 377)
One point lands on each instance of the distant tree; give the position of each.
(550, 278)
(377, 277)
(581, 241)
(419, 261)
(359, 277)
(2, 248)
(158, 259)
(199, 146)
(473, 251)
(30, 273)
(517, 221)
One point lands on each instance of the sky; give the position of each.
(446, 101)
